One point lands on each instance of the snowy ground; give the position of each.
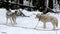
(28, 23)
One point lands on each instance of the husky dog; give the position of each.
(11, 15)
(45, 19)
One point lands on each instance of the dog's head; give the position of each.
(37, 16)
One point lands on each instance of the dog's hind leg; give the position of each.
(11, 20)
(53, 26)
(14, 20)
(56, 23)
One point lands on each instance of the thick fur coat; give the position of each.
(45, 19)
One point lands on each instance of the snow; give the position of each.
(29, 22)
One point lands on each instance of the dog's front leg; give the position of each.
(44, 25)
(11, 20)
(6, 20)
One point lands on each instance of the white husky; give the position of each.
(10, 15)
